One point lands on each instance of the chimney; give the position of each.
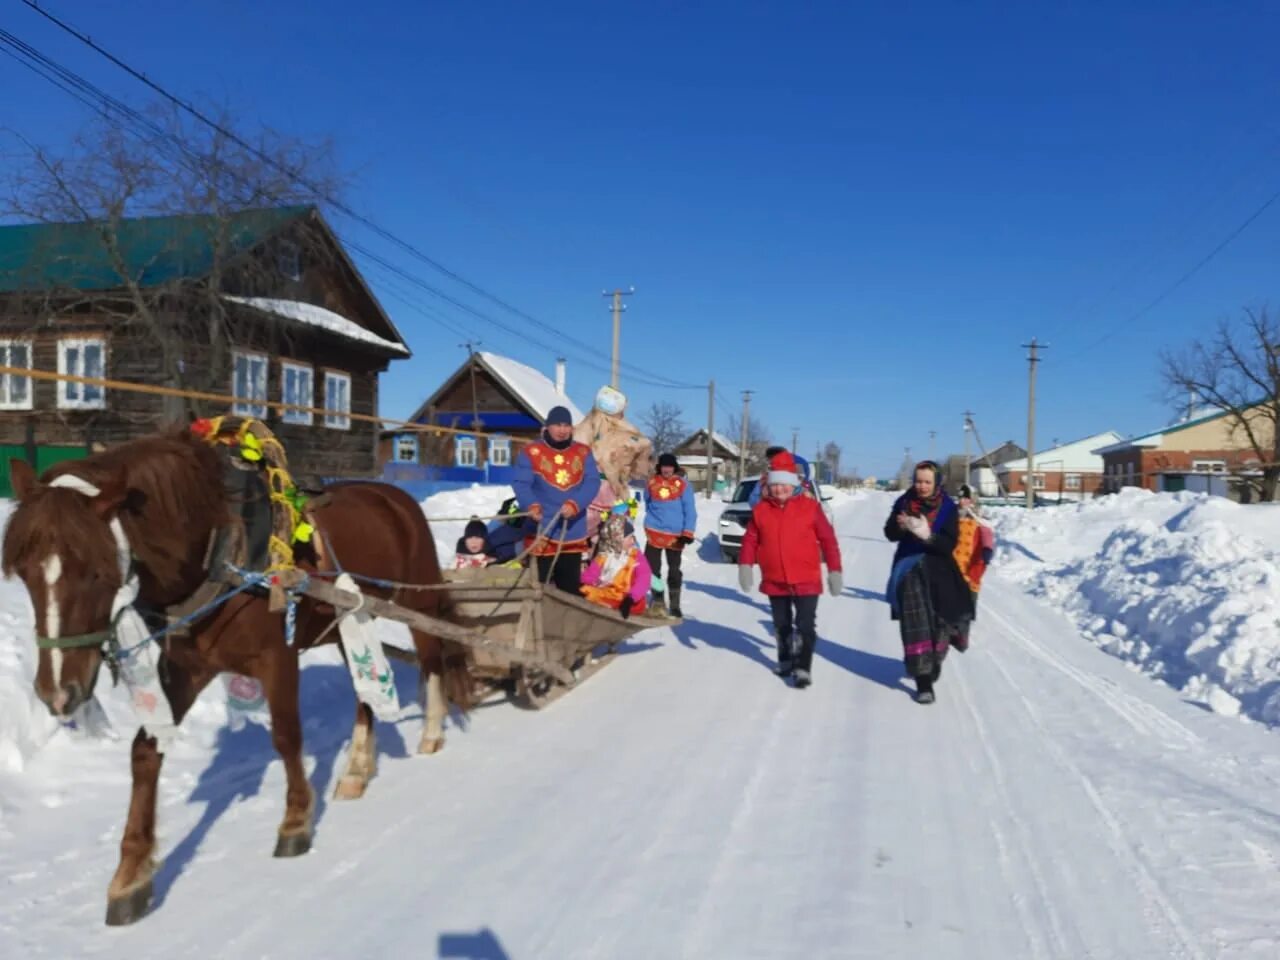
(560, 375)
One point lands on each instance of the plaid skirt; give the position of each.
(925, 637)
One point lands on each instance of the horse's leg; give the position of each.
(129, 893)
(280, 684)
(431, 662)
(362, 759)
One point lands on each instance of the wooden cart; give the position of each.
(542, 633)
(534, 641)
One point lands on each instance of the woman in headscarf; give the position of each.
(927, 594)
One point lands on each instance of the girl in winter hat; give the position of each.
(619, 576)
(926, 593)
(473, 547)
(789, 536)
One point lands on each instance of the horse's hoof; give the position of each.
(350, 788)
(292, 844)
(430, 746)
(129, 907)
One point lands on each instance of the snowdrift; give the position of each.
(1185, 586)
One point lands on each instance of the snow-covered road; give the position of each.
(685, 803)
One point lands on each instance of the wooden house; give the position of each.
(260, 305)
(494, 403)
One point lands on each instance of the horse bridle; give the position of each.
(125, 596)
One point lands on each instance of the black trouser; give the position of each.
(798, 655)
(654, 556)
(565, 571)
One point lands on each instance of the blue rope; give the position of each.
(251, 580)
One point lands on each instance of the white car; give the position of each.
(737, 512)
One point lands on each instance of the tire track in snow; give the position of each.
(1143, 717)
(1162, 915)
(1057, 945)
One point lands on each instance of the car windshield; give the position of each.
(743, 493)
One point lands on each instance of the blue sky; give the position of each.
(855, 211)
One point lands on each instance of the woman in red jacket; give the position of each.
(789, 537)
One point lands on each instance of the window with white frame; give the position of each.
(337, 400)
(1209, 466)
(15, 391)
(1073, 481)
(1038, 480)
(500, 451)
(406, 448)
(82, 357)
(465, 452)
(249, 383)
(296, 387)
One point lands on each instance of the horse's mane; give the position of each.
(175, 498)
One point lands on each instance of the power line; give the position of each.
(334, 202)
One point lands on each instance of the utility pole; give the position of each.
(968, 465)
(618, 308)
(1032, 359)
(933, 447)
(746, 423)
(795, 436)
(475, 403)
(711, 432)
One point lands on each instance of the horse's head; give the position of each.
(64, 541)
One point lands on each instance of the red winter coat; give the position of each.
(790, 541)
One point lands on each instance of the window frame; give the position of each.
(1212, 467)
(300, 418)
(466, 443)
(256, 406)
(80, 342)
(342, 419)
(289, 260)
(396, 450)
(1072, 481)
(500, 444)
(6, 381)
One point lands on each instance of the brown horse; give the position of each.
(167, 493)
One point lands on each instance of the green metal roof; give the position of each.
(156, 250)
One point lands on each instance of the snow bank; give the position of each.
(1184, 585)
(448, 513)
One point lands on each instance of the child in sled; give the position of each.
(618, 576)
(473, 548)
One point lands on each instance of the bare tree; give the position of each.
(174, 167)
(1237, 370)
(665, 423)
(758, 440)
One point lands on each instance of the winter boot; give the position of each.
(801, 678)
(658, 609)
(785, 663)
(674, 606)
(924, 690)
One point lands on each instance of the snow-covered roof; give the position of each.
(1077, 455)
(536, 389)
(693, 460)
(725, 443)
(319, 317)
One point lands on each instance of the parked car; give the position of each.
(737, 513)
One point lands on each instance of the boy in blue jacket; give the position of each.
(670, 519)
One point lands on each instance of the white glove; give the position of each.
(745, 577)
(835, 582)
(917, 527)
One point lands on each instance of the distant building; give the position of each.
(1207, 454)
(691, 454)
(1068, 471)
